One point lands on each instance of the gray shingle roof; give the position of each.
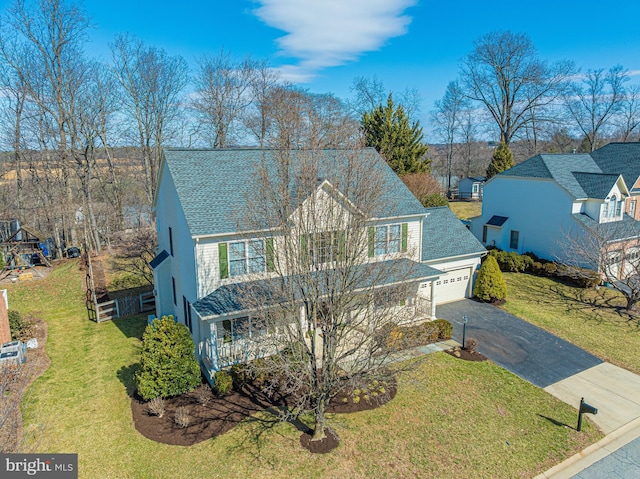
(596, 185)
(620, 158)
(213, 185)
(444, 236)
(613, 230)
(579, 174)
(238, 297)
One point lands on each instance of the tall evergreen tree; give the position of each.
(501, 160)
(389, 131)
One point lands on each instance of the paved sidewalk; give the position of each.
(614, 391)
(616, 456)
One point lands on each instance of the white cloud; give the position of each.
(326, 33)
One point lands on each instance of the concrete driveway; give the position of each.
(520, 347)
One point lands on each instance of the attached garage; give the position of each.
(453, 285)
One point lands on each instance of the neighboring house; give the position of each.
(206, 257)
(471, 188)
(536, 205)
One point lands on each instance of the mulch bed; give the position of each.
(220, 415)
(466, 354)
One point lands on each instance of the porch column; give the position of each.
(433, 299)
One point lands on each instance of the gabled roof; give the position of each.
(579, 174)
(229, 299)
(619, 158)
(596, 185)
(444, 236)
(213, 185)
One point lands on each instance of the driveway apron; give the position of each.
(520, 347)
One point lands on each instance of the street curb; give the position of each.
(592, 454)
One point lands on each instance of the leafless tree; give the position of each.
(135, 251)
(593, 100)
(447, 120)
(612, 250)
(628, 117)
(152, 84)
(51, 34)
(327, 308)
(504, 74)
(256, 118)
(223, 93)
(370, 92)
(297, 119)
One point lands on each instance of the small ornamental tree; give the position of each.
(168, 364)
(501, 160)
(490, 285)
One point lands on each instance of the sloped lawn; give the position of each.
(450, 418)
(593, 319)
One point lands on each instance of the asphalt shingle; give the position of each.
(214, 186)
(444, 236)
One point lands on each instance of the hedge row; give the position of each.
(512, 262)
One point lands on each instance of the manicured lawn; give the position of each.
(591, 319)
(450, 418)
(466, 209)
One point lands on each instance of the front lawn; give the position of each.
(593, 319)
(450, 418)
(466, 209)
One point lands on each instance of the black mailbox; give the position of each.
(584, 408)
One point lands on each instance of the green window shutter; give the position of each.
(372, 239)
(342, 245)
(405, 235)
(269, 255)
(224, 262)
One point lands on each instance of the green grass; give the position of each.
(592, 319)
(450, 418)
(466, 209)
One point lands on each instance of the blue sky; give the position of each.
(324, 44)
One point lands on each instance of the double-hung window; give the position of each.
(324, 247)
(387, 239)
(246, 257)
(238, 258)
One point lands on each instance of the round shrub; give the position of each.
(490, 285)
(168, 366)
(222, 383)
(549, 269)
(445, 329)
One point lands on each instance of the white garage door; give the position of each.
(453, 285)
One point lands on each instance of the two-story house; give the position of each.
(213, 246)
(539, 204)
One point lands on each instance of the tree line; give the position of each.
(83, 138)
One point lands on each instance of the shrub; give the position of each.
(581, 277)
(240, 375)
(471, 344)
(511, 262)
(203, 394)
(532, 255)
(181, 418)
(445, 329)
(156, 407)
(536, 268)
(222, 383)
(21, 329)
(490, 285)
(434, 199)
(549, 269)
(168, 366)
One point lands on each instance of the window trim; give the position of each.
(516, 234)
